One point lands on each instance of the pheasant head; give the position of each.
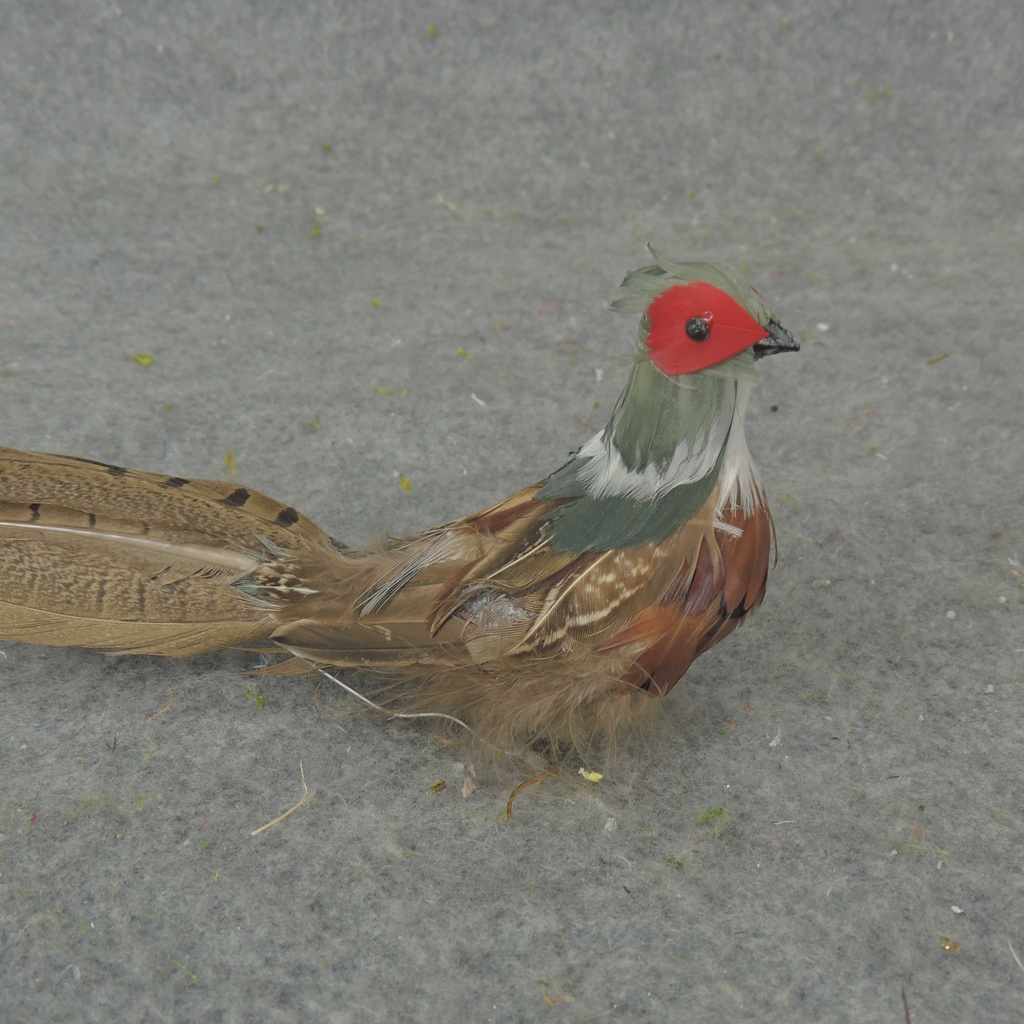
(677, 431)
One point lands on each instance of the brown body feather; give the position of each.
(478, 618)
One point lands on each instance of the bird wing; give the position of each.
(486, 588)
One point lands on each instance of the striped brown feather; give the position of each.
(98, 556)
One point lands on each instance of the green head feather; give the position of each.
(649, 282)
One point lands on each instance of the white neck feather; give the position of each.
(606, 473)
(740, 483)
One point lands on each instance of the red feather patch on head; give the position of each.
(696, 325)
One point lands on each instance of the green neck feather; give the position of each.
(655, 463)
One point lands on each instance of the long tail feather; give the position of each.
(96, 556)
(123, 592)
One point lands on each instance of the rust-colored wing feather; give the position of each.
(707, 600)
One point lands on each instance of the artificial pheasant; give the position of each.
(552, 617)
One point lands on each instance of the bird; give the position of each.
(551, 620)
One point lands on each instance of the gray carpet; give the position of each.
(304, 213)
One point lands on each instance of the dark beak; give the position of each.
(778, 340)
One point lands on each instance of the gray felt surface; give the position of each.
(304, 212)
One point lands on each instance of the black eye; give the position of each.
(698, 328)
